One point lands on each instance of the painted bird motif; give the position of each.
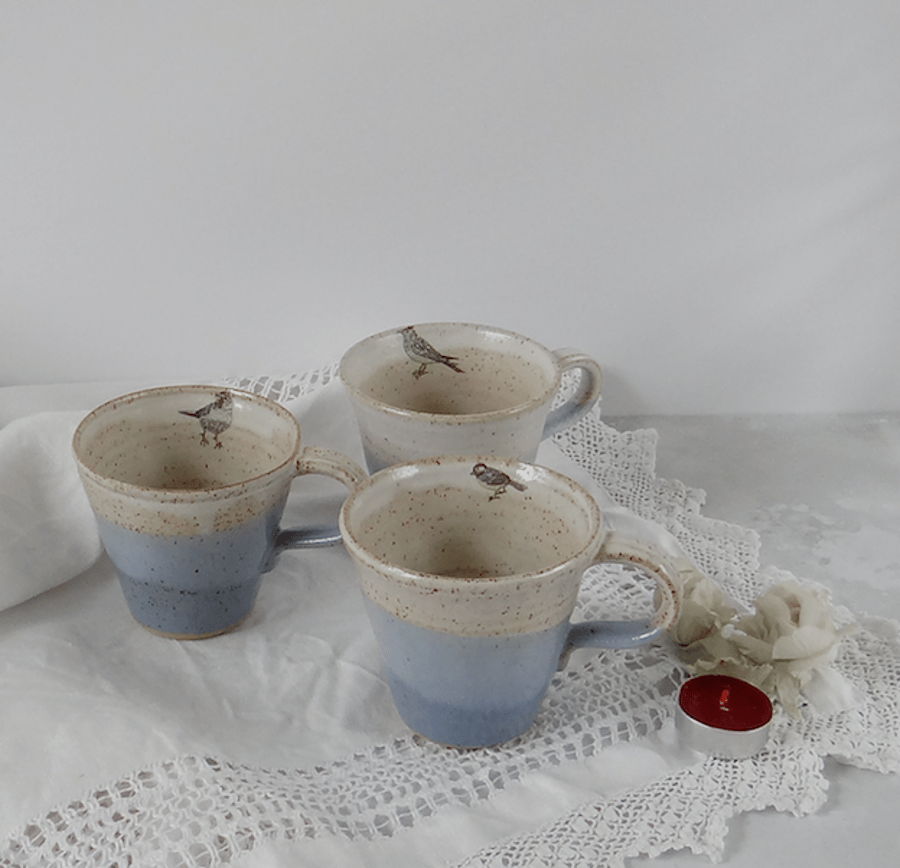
(214, 417)
(495, 480)
(419, 350)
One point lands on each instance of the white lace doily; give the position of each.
(205, 811)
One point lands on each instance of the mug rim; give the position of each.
(175, 495)
(457, 418)
(411, 577)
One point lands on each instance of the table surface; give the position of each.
(822, 492)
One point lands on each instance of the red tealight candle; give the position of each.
(723, 716)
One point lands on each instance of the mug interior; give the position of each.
(435, 518)
(186, 438)
(500, 371)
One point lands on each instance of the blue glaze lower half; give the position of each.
(476, 691)
(192, 586)
(466, 691)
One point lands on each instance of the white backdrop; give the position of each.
(704, 195)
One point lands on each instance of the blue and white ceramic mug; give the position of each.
(470, 569)
(188, 485)
(458, 389)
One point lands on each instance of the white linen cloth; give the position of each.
(47, 530)
(279, 743)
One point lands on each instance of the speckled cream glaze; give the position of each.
(500, 404)
(433, 548)
(145, 468)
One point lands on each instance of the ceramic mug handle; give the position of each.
(624, 549)
(314, 459)
(589, 385)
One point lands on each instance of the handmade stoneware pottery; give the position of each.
(188, 485)
(470, 568)
(456, 388)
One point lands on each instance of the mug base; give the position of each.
(449, 745)
(193, 637)
(178, 613)
(463, 728)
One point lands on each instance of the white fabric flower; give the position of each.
(704, 611)
(787, 645)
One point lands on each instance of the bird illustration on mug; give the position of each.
(422, 352)
(496, 481)
(214, 417)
